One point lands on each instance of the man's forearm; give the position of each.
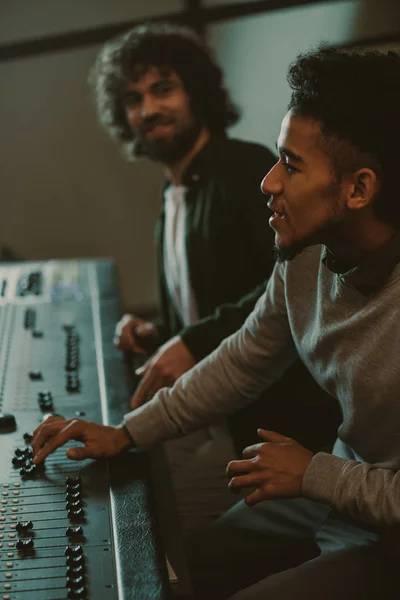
(360, 490)
(232, 376)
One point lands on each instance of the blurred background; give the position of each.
(65, 189)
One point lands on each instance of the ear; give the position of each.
(363, 189)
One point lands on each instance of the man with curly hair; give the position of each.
(159, 92)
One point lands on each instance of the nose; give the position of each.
(149, 106)
(271, 185)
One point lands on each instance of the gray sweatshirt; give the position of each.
(346, 329)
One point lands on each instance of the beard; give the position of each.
(327, 230)
(169, 150)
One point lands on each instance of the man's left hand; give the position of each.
(275, 467)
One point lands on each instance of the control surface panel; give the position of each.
(82, 530)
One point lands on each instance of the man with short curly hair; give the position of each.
(160, 93)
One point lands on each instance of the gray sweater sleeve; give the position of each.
(232, 376)
(363, 491)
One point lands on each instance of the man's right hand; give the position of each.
(101, 441)
(136, 335)
(171, 360)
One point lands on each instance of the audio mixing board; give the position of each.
(69, 530)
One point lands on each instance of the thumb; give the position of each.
(144, 329)
(137, 399)
(142, 391)
(140, 371)
(78, 453)
(273, 436)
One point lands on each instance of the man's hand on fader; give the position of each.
(275, 467)
(101, 441)
(170, 361)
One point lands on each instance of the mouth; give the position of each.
(276, 214)
(158, 130)
(277, 219)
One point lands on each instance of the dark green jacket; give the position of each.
(229, 243)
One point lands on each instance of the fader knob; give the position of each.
(74, 494)
(75, 582)
(46, 405)
(25, 544)
(74, 504)
(76, 513)
(73, 481)
(7, 423)
(75, 569)
(75, 562)
(35, 375)
(23, 526)
(74, 550)
(74, 530)
(79, 594)
(72, 490)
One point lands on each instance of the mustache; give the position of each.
(154, 121)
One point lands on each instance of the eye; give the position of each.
(132, 99)
(163, 89)
(290, 168)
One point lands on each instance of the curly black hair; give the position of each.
(168, 47)
(355, 96)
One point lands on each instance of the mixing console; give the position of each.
(69, 530)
